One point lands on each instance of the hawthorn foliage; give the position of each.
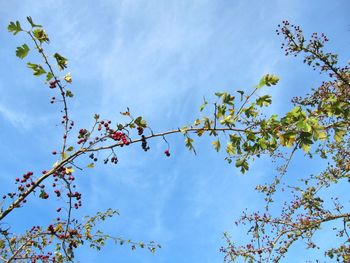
(318, 124)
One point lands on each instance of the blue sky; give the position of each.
(159, 58)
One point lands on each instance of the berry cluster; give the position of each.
(139, 130)
(72, 235)
(144, 145)
(83, 136)
(293, 36)
(114, 160)
(296, 43)
(92, 157)
(57, 231)
(48, 257)
(44, 195)
(119, 136)
(44, 258)
(53, 84)
(110, 133)
(57, 192)
(77, 196)
(64, 173)
(105, 124)
(70, 123)
(24, 183)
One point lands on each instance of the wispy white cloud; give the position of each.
(17, 119)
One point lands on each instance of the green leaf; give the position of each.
(267, 80)
(30, 20)
(32, 66)
(70, 148)
(64, 155)
(319, 134)
(200, 132)
(306, 147)
(49, 76)
(303, 125)
(220, 111)
(197, 122)
(227, 98)
(239, 162)
(189, 144)
(250, 111)
(230, 149)
(242, 93)
(216, 145)
(69, 93)
(287, 139)
(61, 61)
(14, 27)
(262, 143)
(228, 159)
(219, 94)
(184, 129)
(68, 78)
(243, 164)
(2, 244)
(295, 112)
(228, 120)
(22, 51)
(140, 122)
(40, 35)
(271, 80)
(37, 69)
(205, 103)
(91, 165)
(322, 135)
(264, 101)
(338, 135)
(206, 123)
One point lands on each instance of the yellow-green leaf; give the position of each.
(306, 147)
(184, 129)
(216, 145)
(230, 149)
(70, 148)
(338, 135)
(64, 155)
(68, 78)
(69, 170)
(196, 122)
